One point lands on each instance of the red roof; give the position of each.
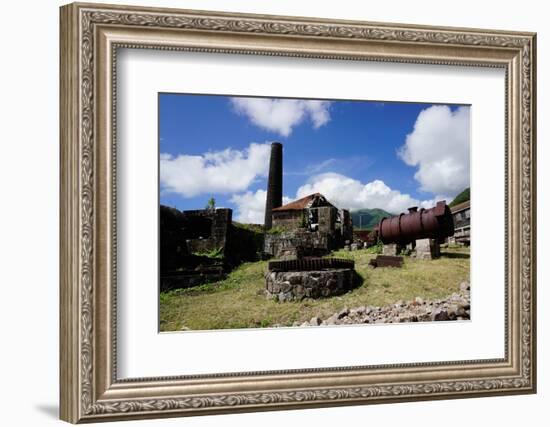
(303, 203)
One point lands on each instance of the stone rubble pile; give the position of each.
(455, 307)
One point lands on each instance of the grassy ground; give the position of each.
(239, 301)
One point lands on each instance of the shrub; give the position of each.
(375, 249)
(276, 230)
(216, 253)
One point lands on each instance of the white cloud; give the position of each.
(349, 193)
(281, 115)
(342, 191)
(440, 147)
(217, 172)
(251, 206)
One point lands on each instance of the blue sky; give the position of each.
(359, 154)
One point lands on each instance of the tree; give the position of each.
(211, 205)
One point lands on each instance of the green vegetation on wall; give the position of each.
(216, 253)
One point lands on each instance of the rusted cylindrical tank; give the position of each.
(434, 223)
(274, 197)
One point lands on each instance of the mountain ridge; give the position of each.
(364, 219)
(461, 197)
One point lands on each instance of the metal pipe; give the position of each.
(434, 223)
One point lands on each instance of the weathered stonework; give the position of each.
(297, 285)
(187, 241)
(391, 249)
(297, 243)
(217, 235)
(183, 233)
(192, 277)
(427, 249)
(311, 226)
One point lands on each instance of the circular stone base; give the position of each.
(297, 285)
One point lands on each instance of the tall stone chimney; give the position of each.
(274, 197)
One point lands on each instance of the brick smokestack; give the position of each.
(275, 182)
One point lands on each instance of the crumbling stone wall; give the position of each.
(173, 247)
(297, 243)
(220, 222)
(244, 245)
(327, 219)
(198, 270)
(331, 228)
(185, 239)
(297, 285)
(289, 220)
(346, 226)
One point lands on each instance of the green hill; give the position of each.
(462, 197)
(368, 218)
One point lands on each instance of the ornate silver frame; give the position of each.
(90, 35)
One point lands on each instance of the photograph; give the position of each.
(261, 211)
(286, 212)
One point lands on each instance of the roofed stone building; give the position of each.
(308, 226)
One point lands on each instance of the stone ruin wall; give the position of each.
(219, 231)
(297, 243)
(327, 219)
(184, 237)
(288, 220)
(297, 285)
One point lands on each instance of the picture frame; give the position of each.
(91, 35)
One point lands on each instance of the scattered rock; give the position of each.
(358, 311)
(440, 314)
(332, 319)
(460, 312)
(455, 307)
(315, 321)
(343, 313)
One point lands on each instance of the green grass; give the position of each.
(216, 253)
(257, 228)
(276, 230)
(239, 300)
(375, 249)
